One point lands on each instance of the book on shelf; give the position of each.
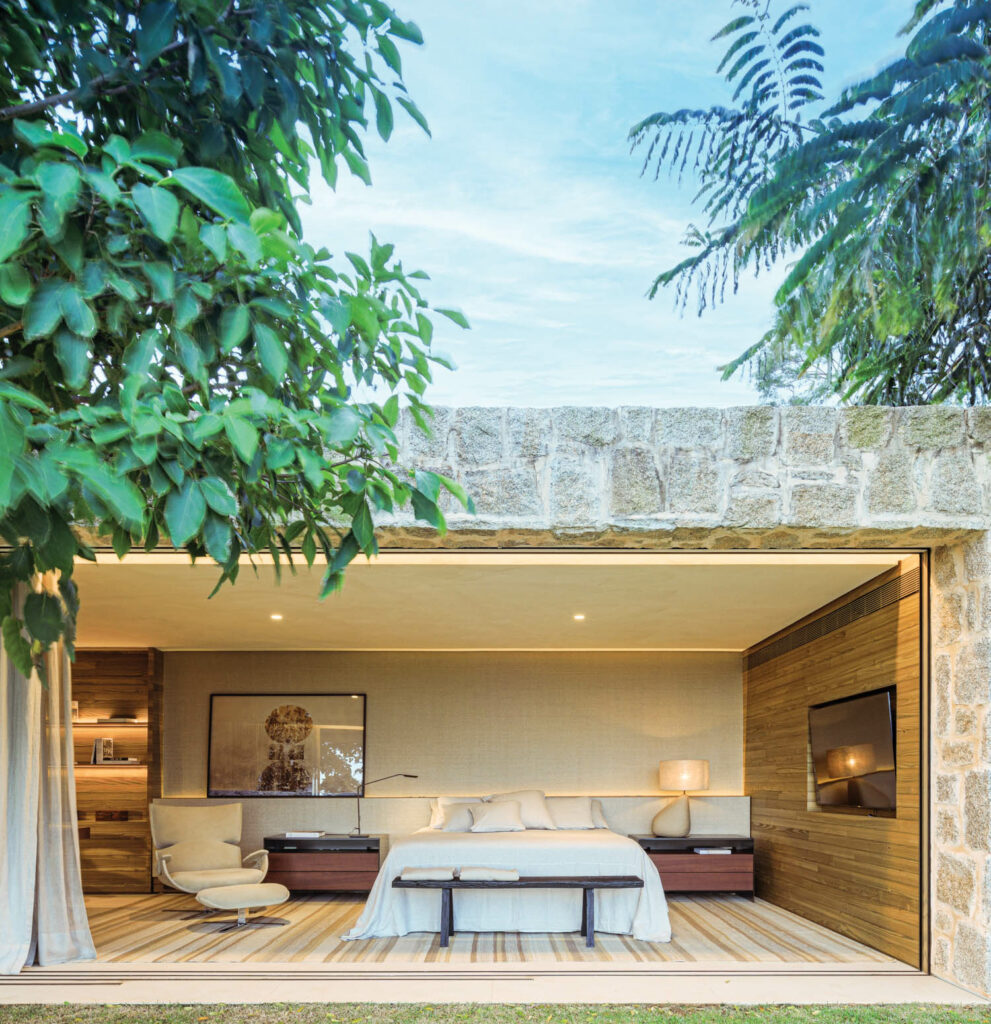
(117, 720)
(714, 849)
(303, 834)
(103, 750)
(121, 760)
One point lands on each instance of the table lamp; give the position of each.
(674, 818)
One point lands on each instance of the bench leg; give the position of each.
(446, 916)
(588, 918)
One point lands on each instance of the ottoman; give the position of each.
(242, 898)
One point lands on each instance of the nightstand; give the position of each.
(328, 863)
(683, 870)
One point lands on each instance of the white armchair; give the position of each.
(196, 847)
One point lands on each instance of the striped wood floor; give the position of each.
(720, 929)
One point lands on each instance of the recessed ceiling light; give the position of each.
(579, 617)
(276, 617)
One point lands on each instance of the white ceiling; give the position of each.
(469, 601)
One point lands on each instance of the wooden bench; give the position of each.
(587, 883)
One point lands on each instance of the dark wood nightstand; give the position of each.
(683, 870)
(329, 863)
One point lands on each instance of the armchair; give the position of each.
(195, 848)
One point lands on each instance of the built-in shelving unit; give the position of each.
(112, 799)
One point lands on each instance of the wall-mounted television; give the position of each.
(853, 752)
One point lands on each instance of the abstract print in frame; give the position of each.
(286, 744)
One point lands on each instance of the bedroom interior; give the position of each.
(578, 674)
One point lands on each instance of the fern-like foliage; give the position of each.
(885, 207)
(772, 67)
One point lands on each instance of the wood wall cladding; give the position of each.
(112, 800)
(855, 874)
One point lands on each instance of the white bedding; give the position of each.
(642, 913)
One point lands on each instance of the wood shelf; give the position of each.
(109, 725)
(130, 764)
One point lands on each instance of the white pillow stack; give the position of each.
(571, 811)
(501, 816)
(535, 810)
(533, 807)
(442, 803)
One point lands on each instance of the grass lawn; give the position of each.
(385, 1013)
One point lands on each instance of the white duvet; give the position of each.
(642, 913)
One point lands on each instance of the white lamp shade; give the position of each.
(683, 775)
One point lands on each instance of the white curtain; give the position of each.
(42, 915)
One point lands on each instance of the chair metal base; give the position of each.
(243, 921)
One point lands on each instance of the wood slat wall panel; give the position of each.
(115, 856)
(857, 875)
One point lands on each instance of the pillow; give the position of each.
(456, 818)
(533, 809)
(438, 805)
(503, 816)
(599, 815)
(571, 811)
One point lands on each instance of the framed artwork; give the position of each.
(286, 744)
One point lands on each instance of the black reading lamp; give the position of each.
(356, 832)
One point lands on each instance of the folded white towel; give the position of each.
(427, 874)
(489, 874)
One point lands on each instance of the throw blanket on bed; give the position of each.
(642, 913)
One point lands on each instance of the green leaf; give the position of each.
(43, 617)
(414, 112)
(427, 510)
(155, 31)
(60, 184)
(76, 312)
(363, 527)
(15, 216)
(341, 426)
(155, 147)
(162, 279)
(185, 510)
(242, 436)
(15, 284)
(159, 208)
(218, 536)
(213, 189)
(235, 323)
(43, 313)
(271, 352)
(73, 355)
(16, 645)
(456, 316)
(383, 114)
(214, 237)
(218, 496)
(246, 242)
(358, 166)
(390, 53)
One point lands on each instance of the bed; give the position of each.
(642, 913)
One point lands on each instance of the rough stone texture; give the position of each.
(693, 484)
(636, 487)
(956, 882)
(770, 479)
(479, 435)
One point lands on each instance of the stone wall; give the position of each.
(771, 478)
(709, 477)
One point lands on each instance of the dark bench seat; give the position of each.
(587, 883)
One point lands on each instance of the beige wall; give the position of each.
(593, 723)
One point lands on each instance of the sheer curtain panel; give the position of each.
(42, 915)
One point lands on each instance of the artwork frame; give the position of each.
(265, 745)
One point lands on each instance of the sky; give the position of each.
(528, 211)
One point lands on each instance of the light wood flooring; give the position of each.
(146, 930)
